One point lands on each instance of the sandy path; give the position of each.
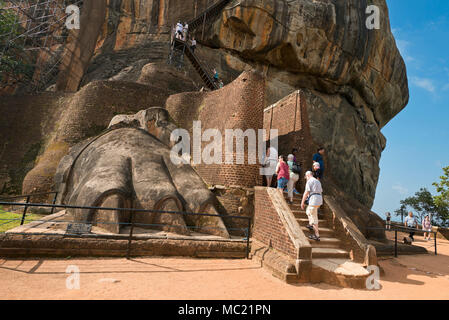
(407, 277)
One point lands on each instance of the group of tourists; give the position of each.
(411, 222)
(181, 32)
(287, 174)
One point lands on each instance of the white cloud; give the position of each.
(424, 83)
(400, 189)
(403, 46)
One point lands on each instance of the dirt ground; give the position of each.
(406, 277)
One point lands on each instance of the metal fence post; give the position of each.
(395, 243)
(25, 211)
(247, 238)
(54, 202)
(130, 235)
(435, 240)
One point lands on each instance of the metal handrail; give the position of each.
(27, 202)
(132, 212)
(404, 229)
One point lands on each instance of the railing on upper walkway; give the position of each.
(395, 229)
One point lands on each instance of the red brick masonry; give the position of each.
(268, 227)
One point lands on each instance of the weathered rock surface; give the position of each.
(356, 77)
(130, 166)
(36, 131)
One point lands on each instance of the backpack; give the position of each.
(296, 169)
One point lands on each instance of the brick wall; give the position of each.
(289, 116)
(238, 105)
(268, 227)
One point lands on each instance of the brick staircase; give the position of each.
(331, 262)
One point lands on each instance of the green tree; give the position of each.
(12, 54)
(422, 204)
(442, 199)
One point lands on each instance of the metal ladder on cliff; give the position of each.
(180, 48)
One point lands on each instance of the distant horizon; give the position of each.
(417, 138)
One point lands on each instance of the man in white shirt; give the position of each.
(313, 194)
(179, 28)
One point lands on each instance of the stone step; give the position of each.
(296, 197)
(305, 221)
(325, 242)
(339, 272)
(319, 253)
(300, 215)
(324, 232)
(296, 211)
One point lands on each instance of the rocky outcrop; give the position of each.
(354, 77)
(130, 166)
(36, 131)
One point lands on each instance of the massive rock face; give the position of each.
(355, 77)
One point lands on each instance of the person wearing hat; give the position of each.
(316, 171)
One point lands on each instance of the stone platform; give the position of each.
(48, 237)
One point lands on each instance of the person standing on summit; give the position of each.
(318, 157)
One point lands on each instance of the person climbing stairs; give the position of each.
(179, 48)
(330, 260)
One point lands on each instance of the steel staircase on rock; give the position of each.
(206, 17)
(330, 261)
(181, 48)
(202, 70)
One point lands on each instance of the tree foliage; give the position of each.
(12, 57)
(422, 204)
(442, 199)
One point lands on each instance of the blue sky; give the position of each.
(418, 137)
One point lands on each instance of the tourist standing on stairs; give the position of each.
(314, 199)
(179, 29)
(316, 170)
(294, 153)
(269, 164)
(294, 176)
(318, 157)
(283, 173)
(215, 72)
(185, 31)
(193, 45)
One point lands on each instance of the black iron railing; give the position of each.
(27, 201)
(131, 223)
(395, 229)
